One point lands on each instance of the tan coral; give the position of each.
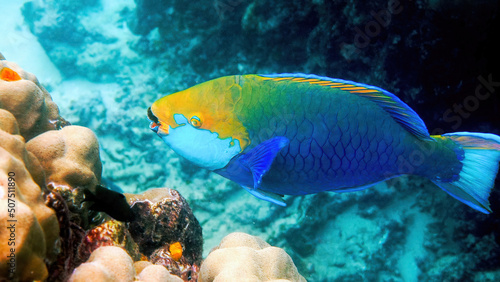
(35, 230)
(69, 156)
(108, 263)
(140, 265)
(112, 263)
(70, 159)
(23, 96)
(243, 257)
(8, 122)
(157, 273)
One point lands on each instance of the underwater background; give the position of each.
(105, 62)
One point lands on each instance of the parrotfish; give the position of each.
(297, 134)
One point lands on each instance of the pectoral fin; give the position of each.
(259, 159)
(266, 196)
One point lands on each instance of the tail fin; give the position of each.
(479, 169)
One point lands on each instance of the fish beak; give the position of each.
(154, 126)
(155, 123)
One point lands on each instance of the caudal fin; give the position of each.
(479, 169)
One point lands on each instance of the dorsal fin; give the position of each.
(399, 111)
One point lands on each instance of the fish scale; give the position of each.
(338, 127)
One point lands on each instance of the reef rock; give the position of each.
(30, 230)
(23, 96)
(248, 258)
(163, 218)
(109, 233)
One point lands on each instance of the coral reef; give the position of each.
(69, 156)
(250, 259)
(109, 233)
(71, 164)
(164, 232)
(162, 219)
(164, 223)
(50, 177)
(105, 264)
(70, 159)
(23, 96)
(114, 264)
(156, 273)
(239, 256)
(29, 229)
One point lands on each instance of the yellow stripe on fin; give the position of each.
(365, 91)
(322, 82)
(354, 88)
(341, 86)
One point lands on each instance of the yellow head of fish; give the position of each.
(200, 123)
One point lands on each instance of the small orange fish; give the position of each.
(8, 74)
(176, 251)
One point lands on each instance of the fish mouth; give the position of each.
(155, 123)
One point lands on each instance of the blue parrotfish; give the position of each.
(297, 134)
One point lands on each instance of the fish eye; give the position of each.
(195, 121)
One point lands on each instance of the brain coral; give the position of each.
(112, 263)
(108, 263)
(248, 258)
(23, 96)
(69, 156)
(34, 230)
(148, 272)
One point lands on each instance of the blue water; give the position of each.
(106, 62)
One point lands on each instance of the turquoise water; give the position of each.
(106, 62)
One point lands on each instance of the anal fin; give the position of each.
(266, 196)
